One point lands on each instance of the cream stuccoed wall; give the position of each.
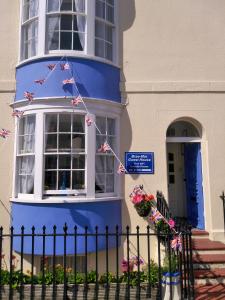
(173, 66)
(9, 33)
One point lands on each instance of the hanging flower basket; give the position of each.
(143, 208)
(142, 201)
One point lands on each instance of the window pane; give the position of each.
(78, 161)
(100, 183)
(78, 40)
(100, 164)
(99, 48)
(100, 9)
(109, 164)
(64, 123)
(108, 34)
(64, 142)
(100, 139)
(26, 171)
(64, 180)
(51, 123)
(109, 183)
(66, 5)
(112, 142)
(53, 5)
(79, 5)
(78, 180)
(78, 142)
(78, 123)
(26, 144)
(109, 13)
(64, 162)
(100, 29)
(66, 22)
(111, 126)
(101, 124)
(52, 33)
(50, 180)
(33, 8)
(66, 40)
(51, 142)
(108, 53)
(25, 12)
(111, 2)
(51, 162)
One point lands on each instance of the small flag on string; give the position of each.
(121, 169)
(88, 121)
(29, 96)
(176, 243)
(104, 148)
(40, 81)
(17, 113)
(76, 101)
(69, 81)
(155, 216)
(65, 66)
(4, 133)
(51, 66)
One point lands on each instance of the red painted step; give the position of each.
(199, 232)
(209, 258)
(214, 273)
(206, 244)
(210, 292)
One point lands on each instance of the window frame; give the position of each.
(19, 156)
(24, 26)
(59, 13)
(90, 150)
(58, 153)
(89, 35)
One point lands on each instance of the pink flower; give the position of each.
(171, 223)
(124, 266)
(137, 199)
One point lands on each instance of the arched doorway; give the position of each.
(184, 168)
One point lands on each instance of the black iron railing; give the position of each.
(132, 269)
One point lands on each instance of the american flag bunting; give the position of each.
(69, 81)
(40, 81)
(51, 66)
(88, 121)
(65, 66)
(104, 148)
(29, 96)
(17, 113)
(76, 101)
(4, 133)
(121, 169)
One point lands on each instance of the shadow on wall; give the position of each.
(127, 13)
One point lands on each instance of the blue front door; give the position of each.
(193, 176)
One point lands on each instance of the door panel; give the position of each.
(176, 184)
(194, 191)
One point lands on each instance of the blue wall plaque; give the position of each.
(139, 162)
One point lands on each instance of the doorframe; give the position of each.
(201, 142)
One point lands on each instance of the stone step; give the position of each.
(206, 292)
(209, 258)
(207, 244)
(213, 276)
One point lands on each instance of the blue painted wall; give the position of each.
(102, 214)
(94, 79)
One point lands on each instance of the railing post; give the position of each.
(138, 264)
(11, 265)
(191, 265)
(21, 262)
(159, 264)
(149, 262)
(128, 262)
(64, 262)
(53, 261)
(32, 261)
(75, 262)
(1, 258)
(43, 261)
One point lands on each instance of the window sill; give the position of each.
(66, 199)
